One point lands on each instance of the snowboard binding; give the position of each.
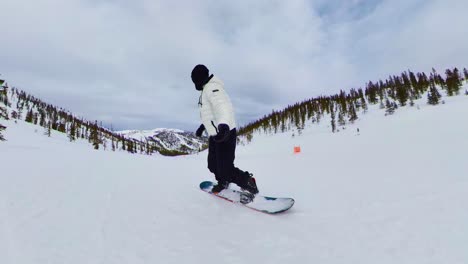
(246, 197)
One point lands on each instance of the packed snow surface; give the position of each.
(396, 192)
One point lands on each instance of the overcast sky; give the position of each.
(128, 63)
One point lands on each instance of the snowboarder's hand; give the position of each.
(200, 131)
(223, 133)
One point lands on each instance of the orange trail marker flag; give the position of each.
(297, 149)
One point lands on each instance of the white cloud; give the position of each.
(129, 62)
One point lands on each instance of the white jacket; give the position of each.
(215, 107)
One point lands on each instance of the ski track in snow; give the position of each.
(394, 194)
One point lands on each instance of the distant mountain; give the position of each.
(169, 140)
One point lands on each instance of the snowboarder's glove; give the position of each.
(223, 133)
(200, 131)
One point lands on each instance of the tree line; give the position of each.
(394, 92)
(51, 118)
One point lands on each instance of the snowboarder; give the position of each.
(218, 120)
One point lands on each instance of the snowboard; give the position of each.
(264, 204)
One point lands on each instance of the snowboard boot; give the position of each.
(250, 185)
(219, 187)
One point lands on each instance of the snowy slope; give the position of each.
(395, 193)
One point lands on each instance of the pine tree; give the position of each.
(29, 116)
(130, 146)
(4, 100)
(35, 118)
(62, 127)
(433, 96)
(390, 107)
(78, 129)
(402, 94)
(14, 114)
(333, 123)
(457, 80)
(72, 132)
(113, 144)
(453, 82)
(450, 83)
(2, 128)
(341, 120)
(48, 129)
(94, 137)
(352, 113)
(380, 91)
(465, 72)
(371, 93)
(416, 86)
(3, 113)
(423, 82)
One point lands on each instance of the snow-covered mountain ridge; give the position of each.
(169, 139)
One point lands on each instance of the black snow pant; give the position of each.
(221, 157)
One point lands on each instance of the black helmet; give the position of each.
(200, 75)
